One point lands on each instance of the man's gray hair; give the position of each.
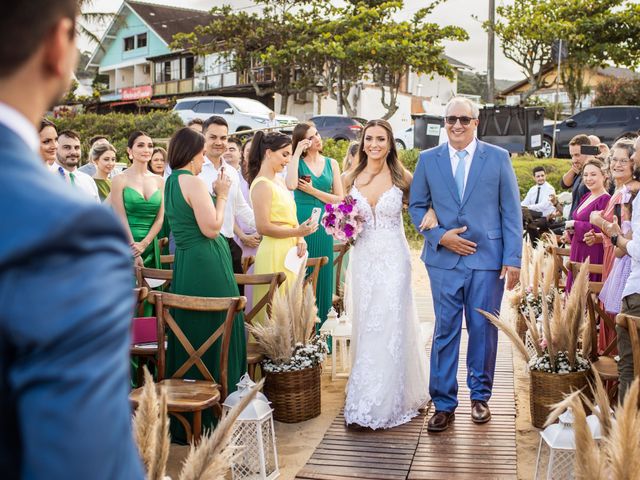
(475, 110)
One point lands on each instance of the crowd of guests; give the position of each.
(600, 221)
(219, 200)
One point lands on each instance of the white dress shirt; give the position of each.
(236, 205)
(543, 205)
(21, 126)
(471, 150)
(633, 249)
(82, 182)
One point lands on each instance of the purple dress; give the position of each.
(580, 251)
(246, 251)
(611, 294)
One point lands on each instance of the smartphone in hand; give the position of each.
(315, 215)
(306, 178)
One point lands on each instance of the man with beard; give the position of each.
(66, 165)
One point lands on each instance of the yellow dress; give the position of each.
(272, 251)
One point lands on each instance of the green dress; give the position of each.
(104, 188)
(202, 268)
(319, 244)
(141, 213)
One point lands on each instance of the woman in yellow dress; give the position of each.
(274, 207)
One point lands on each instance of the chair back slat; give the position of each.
(315, 264)
(339, 250)
(559, 255)
(140, 294)
(167, 260)
(247, 262)
(631, 323)
(164, 301)
(274, 280)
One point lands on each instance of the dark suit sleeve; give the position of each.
(511, 214)
(420, 201)
(68, 310)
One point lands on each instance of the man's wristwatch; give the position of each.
(614, 240)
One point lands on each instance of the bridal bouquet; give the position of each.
(343, 221)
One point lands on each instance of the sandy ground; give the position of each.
(296, 442)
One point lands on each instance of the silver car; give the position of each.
(239, 112)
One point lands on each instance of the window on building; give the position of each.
(129, 44)
(141, 40)
(188, 64)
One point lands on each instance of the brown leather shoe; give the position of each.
(480, 412)
(440, 421)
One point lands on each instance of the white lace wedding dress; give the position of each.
(388, 381)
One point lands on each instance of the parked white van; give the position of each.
(239, 112)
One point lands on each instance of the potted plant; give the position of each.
(293, 353)
(558, 365)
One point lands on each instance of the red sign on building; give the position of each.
(134, 93)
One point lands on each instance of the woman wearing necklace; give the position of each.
(137, 197)
(315, 181)
(579, 228)
(625, 180)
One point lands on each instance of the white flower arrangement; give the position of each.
(562, 363)
(304, 356)
(529, 300)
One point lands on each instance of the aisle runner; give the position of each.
(464, 451)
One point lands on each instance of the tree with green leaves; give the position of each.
(313, 45)
(596, 32)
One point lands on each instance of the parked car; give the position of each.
(338, 127)
(239, 112)
(608, 123)
(404, 139)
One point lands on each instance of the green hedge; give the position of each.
(118, 127)
(522, 165)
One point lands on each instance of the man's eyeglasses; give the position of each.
(452, 119)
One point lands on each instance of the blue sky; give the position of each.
(452, 12)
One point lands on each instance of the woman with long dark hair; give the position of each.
(273, 206)
(386, 333)
(48, 141)
(202, 265)
(136, 196)
(315, 181)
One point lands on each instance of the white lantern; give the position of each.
(330, 323)
(557, 450)
(254, 432)
(341, 346)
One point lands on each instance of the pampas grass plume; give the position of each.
(509, 331)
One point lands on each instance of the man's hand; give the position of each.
(512, 274)
(451, 240)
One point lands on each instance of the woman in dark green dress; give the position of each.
(104, 157)
(202, 264)
(315, 180)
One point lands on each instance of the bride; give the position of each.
(388, 381)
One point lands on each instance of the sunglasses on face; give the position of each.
(452, 119)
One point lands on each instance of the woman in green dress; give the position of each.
(136, 196)
(202, 264)
(104, 157)
(158, 165)
(315, 180)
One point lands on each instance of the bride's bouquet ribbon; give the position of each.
(343, 221)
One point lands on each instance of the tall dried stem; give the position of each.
(508, 329)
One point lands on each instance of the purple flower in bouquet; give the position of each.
(343, 220)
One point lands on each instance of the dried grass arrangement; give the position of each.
(209, 460)
(556, 342)
(287, 336)
(616, 456)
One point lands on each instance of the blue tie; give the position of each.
(459, 176)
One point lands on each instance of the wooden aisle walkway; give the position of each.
(465, 451)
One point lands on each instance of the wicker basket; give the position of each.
(547, 389)
(294, 396)
(521, 325)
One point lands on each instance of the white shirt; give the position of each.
(81, 182)
(471, 150)
(21, 126)
(544, 204)
(236, 205)
(633, 249)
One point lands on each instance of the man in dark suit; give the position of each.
(65, 280)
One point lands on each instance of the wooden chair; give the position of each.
(151, 277)
(560, 255)
(632, 324)
(603, 363)
(163, 242)
(247, 262)
(339, 250)
(145, 356)
(274, 280)
(315, 264)
(167, 260)
(195, 395)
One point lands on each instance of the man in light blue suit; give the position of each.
(65, 280)
(475, 246)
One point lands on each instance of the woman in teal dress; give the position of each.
(202, 265)
(103, 155)
(157, 165)
(136, 196)
(315, 180)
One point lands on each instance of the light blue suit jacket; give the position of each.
(490, 208)
(66, 305)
